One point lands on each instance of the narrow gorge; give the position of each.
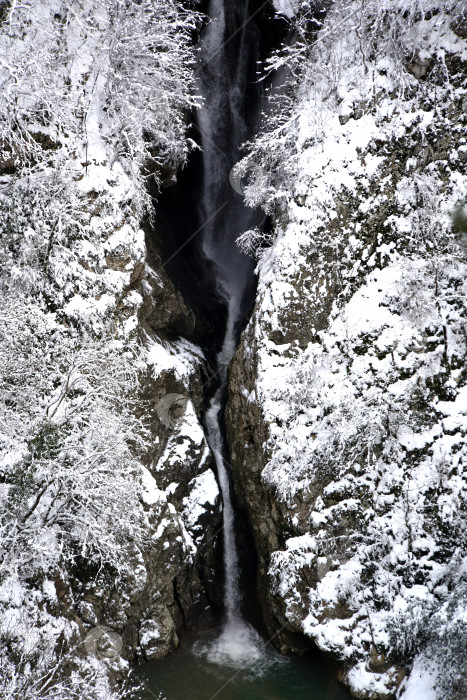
(233, 455)
(228, 80)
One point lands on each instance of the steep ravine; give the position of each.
(346, 421)
(198, 288)
(212, 295)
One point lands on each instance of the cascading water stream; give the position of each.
(226, 86)
(232, 591)
(223, 127)
(235, 664)
(239, 644)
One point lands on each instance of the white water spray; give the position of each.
(239, 643)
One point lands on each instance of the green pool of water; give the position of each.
(188, 674)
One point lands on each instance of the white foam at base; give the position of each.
(239, 646)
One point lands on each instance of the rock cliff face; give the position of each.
(346, 414)
(180, 562)
(109, 506)
(173, 569)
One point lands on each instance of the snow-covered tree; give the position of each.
(89, 80)
(94, 95)
(314, 67)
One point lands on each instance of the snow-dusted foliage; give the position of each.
(70, 481)
(39, 651)
(68, 413)
(92, 106)
(391, 38)
(359, 340)
(96, 82)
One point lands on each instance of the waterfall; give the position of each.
(215, 438)
(228, 51)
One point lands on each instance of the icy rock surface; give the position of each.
(105, 504)
(347, 412)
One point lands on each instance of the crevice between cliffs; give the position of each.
(193, 240)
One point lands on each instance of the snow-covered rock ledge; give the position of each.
(347, 414)
(107, 496)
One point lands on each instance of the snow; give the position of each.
(357, 339)
(288, 8)
(50, 591)
(362, 680)
(420, 684)
(180, 357)
(90, 311)
(204, 491)
(151, 494)
(149, 636)
(11, 591)
(192, 428)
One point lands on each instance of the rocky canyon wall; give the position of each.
(346, 414)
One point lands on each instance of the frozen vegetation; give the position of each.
(350, 383)
(347, 413)
(92, 107)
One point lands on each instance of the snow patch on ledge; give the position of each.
(287, 8)
(204, 492)
(151, 493)
(420, 684)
